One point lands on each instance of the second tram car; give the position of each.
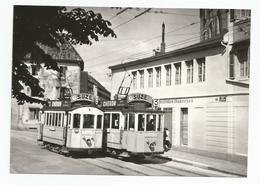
(132, 126)
(72, 125)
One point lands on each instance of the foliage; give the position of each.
(48, 25)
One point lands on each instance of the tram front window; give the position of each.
(99, 121)
(141, 122)
(76, 120)
(88, 121)
(159, 123)
(115, 121)
(131, 122)
(150, 122)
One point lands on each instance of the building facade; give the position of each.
(203, 88)
(71, 76)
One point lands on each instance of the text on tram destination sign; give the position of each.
(139, 97)
(82, 97)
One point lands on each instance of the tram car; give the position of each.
(133, 127)
(72, 125)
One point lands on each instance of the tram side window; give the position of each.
(126, 121)
(76, 120)
(150, 123)
(69, 118)
(141, 122)
(55, 119)
(48, 119)
(88, 121)
(99, 121)
(131, 121)
(59, 120)
(115, 121)
(159, 128)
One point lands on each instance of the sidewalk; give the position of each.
(206, 162)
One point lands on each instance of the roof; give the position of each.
(216, 41)
(97, 83)
(64, 52)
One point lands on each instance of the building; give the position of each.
(54, 83)
(204, 87)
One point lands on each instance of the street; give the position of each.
(27, 157)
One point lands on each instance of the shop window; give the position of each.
(189, 65)
(168, 69)
(88, 121)
(34, 113)
(150, 78)
(115, 121)
(158, 76)
(76, 120)
(177, 73)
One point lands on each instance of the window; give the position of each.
(63, 70)
(168, 69)
(34, 113)
(99, 121)
(115, 121)
(141, 73)
(201, 69)
(69, 119)
(189, 65)
(134, 79)
(150, 122)
(35, 69)
(239, 14)
(141, 122)
(131, 121)
(106, 120)
(159, 128)
(232, 66)
(158, 76)
(76, 120)
(177, 73)
(88, 121)
(126, 122)
(243, 62)
(150, 78)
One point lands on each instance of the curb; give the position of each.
(200, 165)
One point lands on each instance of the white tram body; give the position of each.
(72, 127)
(133, 129)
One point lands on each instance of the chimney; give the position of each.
(163, 38)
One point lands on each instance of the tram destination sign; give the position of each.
(82, 97)
(139, 97)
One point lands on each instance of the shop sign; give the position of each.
(187, 100)
(82, 97)
(139, 97)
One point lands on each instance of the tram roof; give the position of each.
(124, 110)
(68, 108)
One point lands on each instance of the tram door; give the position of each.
(184, 126)
(114, 134)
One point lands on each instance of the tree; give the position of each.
(49, 25)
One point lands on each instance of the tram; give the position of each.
(72, 125)
(133, 127)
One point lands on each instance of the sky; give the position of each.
(137, 38)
